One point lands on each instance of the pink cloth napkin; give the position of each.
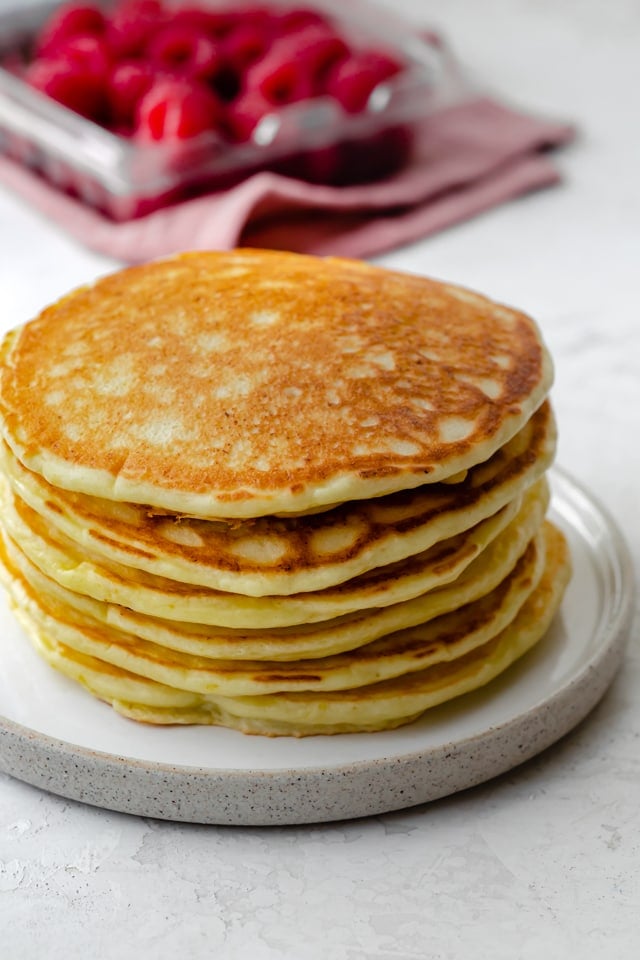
(477, 154)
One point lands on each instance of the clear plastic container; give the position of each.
(313, 139)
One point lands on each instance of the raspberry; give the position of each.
(67, 21)
(318, 47)
(279, 80)
(132, 25)
(299, 18)
(184, 51)
(72, 85)
(175, 109)
(167, 70)
(244, 114)
(214, 23)
(89, 52)
(352, 81)
(382, 63)
(128, 83)
(259, 17)
(244, 45)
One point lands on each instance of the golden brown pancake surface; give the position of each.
(287, 555)
(250, 383)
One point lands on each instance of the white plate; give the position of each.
(56, 736)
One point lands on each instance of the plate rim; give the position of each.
(612, 645)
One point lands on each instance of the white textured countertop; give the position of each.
(543, 862)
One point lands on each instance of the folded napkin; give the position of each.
(477, 154)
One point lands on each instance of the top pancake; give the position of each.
(250, 383)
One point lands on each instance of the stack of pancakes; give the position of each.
(278, 493)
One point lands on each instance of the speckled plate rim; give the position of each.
(287, 796)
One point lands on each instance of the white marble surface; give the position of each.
(545, 861)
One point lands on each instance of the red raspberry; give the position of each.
(87, 51)
(72, 85)
(279, 80)
(67, 21)
(244, 114)
(214, 23)
(317, 47)
(352, 81)
(385, 65)
(244, 45)
(132, 25)
(259, 17)
(184, 51)
(299, 18)
(175, 109)
(128, 83)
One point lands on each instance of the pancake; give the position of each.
(305, 641)
(282, 494)
(284, 556)
(443, 638)
(372, 706)
(75, 569)
(253, 383)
